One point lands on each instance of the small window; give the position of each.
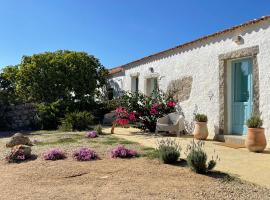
(135, 84)
(151, 86)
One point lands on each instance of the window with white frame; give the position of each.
(135, 84)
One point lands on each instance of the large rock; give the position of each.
(18, 139)
(19, 153)
(109, 118)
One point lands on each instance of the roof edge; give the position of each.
(233, 28)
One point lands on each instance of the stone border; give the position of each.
(223, 58)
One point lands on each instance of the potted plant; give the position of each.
(255, 140)
(200, 132)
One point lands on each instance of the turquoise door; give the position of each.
(241, 95)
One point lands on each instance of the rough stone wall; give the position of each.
(180, 89)
(21, 117)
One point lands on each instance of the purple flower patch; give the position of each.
(91, 134)
(54, 154)
(85, 154)
(122, 152)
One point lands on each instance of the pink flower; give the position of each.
(153, 111)
(132, 116)
(122, 152)
(120, 110)
(122, 121)
(171, 104)
(91, 134)
(154, 108)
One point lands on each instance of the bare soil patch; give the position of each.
(137, 178)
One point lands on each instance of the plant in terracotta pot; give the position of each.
(201, 131)
(255, 140)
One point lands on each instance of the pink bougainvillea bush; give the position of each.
(144, 110)
(85, 154)
(122, 152)
(123, 116)
(91, 134)
(54, 154)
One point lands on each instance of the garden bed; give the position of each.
(107, 178)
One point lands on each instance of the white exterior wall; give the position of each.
(201, 62)
(116, 82)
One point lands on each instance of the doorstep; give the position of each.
(231, 139)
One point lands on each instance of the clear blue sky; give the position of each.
(115, 31)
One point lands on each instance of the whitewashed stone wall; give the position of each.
(116, 81)
(201, 62)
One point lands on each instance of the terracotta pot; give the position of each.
(255, 140)
(200, 132)
(112, 129)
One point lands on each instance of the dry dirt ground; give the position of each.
(107, 178)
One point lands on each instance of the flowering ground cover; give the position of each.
(110, 178)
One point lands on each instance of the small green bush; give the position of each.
(111, 105)
(77, 121)
(168, 150)
(201, 118)
(254, 122)
(197, 158)
(98, 129)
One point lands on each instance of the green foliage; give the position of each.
(201, 118)
(98, 129)
(151, 154)
(168, 150)
(114, 140)
(57, 142)
(8, 93)
(3, 117)
(147, 108)
(77, 121)
(50, 114)
(197, 158)
(61, 75)
(111, 105)
(254, 122)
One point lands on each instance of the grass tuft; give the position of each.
(59, 141)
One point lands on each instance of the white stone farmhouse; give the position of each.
(225, 75)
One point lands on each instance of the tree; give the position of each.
(8, 85)
(62, 75)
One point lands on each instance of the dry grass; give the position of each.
(138, 178)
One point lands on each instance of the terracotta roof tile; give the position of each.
(115, 70)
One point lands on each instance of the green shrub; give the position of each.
(254, 122)
(112, 104)
(98, 129)
(50, 114)
(168, 150)
(201, 118)
(197, 158)
(77, 121)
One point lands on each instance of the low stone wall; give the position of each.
(21, 117)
